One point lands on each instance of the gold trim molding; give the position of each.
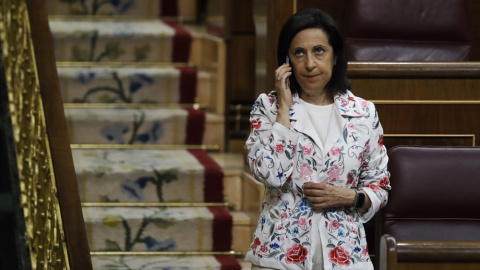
(44, 234)
(195, 106)
(163, 253)
(152, 204)
(215, 147)
(124, 64)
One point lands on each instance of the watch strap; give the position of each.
(359, 199)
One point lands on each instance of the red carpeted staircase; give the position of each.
(141, 114)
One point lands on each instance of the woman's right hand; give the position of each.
(284, 94)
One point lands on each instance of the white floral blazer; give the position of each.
(284, 159)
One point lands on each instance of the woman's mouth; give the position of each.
(312, 76)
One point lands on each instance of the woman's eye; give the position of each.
(319, 50)
(298, 53)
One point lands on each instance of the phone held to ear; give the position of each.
(287, 81)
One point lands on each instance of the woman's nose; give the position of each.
(309, 64)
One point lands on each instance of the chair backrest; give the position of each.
(407, 30)
(435, 194)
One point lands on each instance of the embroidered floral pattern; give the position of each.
(279, 148)
(256, 124)
(335, 151)
(334, 173)
(296, 254)
(339, 256)
(307, 150)
(284, 231)
(306, 171)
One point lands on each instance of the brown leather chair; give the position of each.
(407, 30)
(433, 213)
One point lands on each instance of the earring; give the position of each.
(334, 63)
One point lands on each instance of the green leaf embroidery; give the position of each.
(141, 53)
(162, 223)
(345, 135)
(111, 246)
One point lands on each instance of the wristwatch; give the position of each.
(359, 199)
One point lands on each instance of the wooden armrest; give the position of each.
(393, 251)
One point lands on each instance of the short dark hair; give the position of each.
(315, 18)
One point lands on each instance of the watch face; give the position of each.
(359, 200)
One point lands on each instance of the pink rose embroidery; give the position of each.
(263, 250)
(335, 151)
(334, 173)
(351, 126)
(353, 233)
(255, 243)
(365, 252)
(384, 182)
(364, 103)
(279, 148)
(306, 171)
(349, 219)
(256, 124)
(280, 229)
(296, 254)
(334, 224)
(339, 256)
(344, 102)
(283, 216)
(302, 223)
(307, 150)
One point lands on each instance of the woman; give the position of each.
(319, 151)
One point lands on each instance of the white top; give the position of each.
(320, 116)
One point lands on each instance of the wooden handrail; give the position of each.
(68, 195)
(413, 69)
(436, 251)
(393, 251)
(388, 253)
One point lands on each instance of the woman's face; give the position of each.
(312, 59)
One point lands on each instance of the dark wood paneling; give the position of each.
(439, 119)
(399, 89)
(474, 19)
(334, 8)
(241, 69)
(68, 196)
(278, 12)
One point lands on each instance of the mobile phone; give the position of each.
(287, 81)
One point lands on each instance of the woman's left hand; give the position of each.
(322, 195)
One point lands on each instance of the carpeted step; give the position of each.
(158, 228)
(127, 84)
(187, 262)
(96, 40)
(170, 8)
(147, 176)
(145, 125)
